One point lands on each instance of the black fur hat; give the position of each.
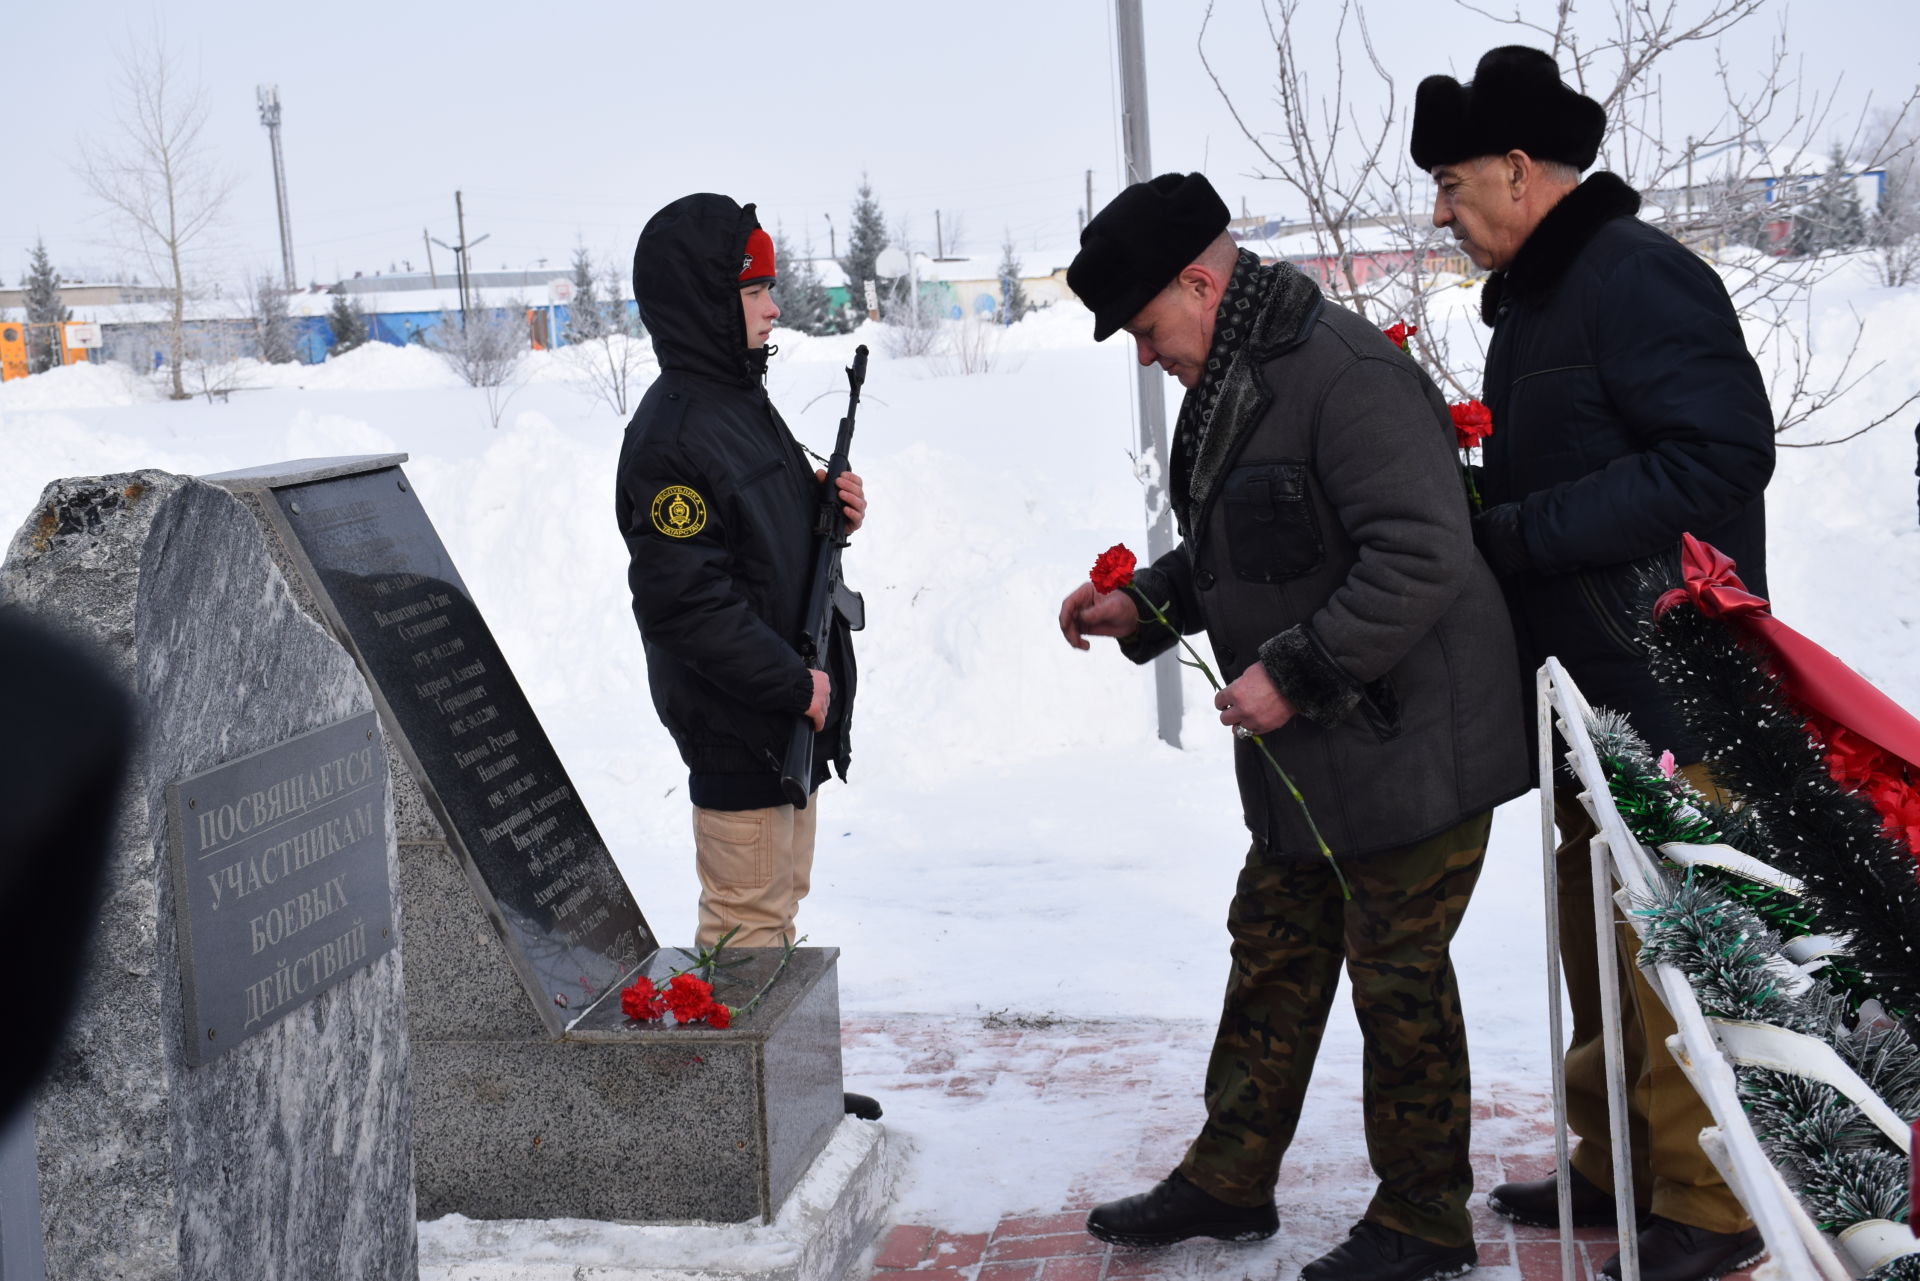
(1133, 248)
(1515, 102)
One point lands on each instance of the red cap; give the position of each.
(759, 263)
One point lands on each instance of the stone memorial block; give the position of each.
(233, 1099)
(534, 1097)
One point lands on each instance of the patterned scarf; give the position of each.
(1232, 325)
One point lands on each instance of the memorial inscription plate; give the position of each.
(280, 879)
(477, 748)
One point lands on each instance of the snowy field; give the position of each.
(1016, 839)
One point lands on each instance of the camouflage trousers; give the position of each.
(1291, 932)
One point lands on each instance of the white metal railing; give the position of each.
(1706, 1049)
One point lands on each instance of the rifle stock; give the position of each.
(816, 635)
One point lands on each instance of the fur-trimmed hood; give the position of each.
(1541, 263)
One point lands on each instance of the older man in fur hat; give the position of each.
(1326, 552)
(1626, 411)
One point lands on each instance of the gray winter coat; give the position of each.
(1324, 533)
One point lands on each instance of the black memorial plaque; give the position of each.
(480, 752)
(280, 879)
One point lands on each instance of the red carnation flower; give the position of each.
(689, 998)
(719, 1015)
(641, 1001)
(1113, 569)
(1472, 423)
(1399, 332)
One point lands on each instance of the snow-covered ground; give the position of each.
(1016, 838)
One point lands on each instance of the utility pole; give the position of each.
(1086, 215)
(460, 265)
(269, 98)
(1147, 384)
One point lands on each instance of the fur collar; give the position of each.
(1286, 317)
(1536, 270)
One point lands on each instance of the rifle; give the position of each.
(826, 594)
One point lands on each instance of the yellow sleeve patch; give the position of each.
(678, 512)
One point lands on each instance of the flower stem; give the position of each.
(1346, 891)
(786, 955)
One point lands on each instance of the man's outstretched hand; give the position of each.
(1086, 612)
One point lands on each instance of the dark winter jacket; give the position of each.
(718, 505)
(1324, 533)
(1626, 411)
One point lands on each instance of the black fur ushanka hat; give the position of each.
(1515, 102)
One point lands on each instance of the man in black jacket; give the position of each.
(719, 506)
(1626, 411)
(1325, 550)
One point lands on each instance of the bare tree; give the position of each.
(611, 361)
(1367, 233)
(156, 176)
(488, 350)
(1894, 229)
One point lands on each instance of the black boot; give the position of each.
(1375, 1252)
(1537, 1204)
(860, 1105)
(1173, 1210)
(1671, 1251)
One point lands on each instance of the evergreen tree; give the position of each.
(43, 307)
(1846, 220)
(272, 321)
(1832, 219)
(586, 317)
(348, 322)
(1013, 295)
(622, 316)
(804, 301)
(866, 237)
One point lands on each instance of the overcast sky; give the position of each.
(573, 123)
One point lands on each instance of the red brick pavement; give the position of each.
(961, 1060)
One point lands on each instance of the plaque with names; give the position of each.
(280, 879)
(571, 925)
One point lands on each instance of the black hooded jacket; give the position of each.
(1626, 412)
(718, 505)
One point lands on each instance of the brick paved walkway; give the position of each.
(934, 1073)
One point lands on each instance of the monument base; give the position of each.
(832, 1216)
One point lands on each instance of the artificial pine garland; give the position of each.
(1839, 1164)
(1857, 880)
(1659, 808)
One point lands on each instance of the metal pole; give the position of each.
(460, 216)
(432, 275)
(1556, 1051)
(1147, 382)
(269, 99)
(939, 240)
(1617, 1130)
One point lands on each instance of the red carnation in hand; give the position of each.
(1399, 332)
(1472, 422)
(1113, 569)
(689, 998)
(641, 1002)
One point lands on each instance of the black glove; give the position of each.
(1496, 532)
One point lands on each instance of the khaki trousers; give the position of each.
(755, 866)
(1671, 1174)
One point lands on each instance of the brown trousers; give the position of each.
(755, 866)
(1672, 1176)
